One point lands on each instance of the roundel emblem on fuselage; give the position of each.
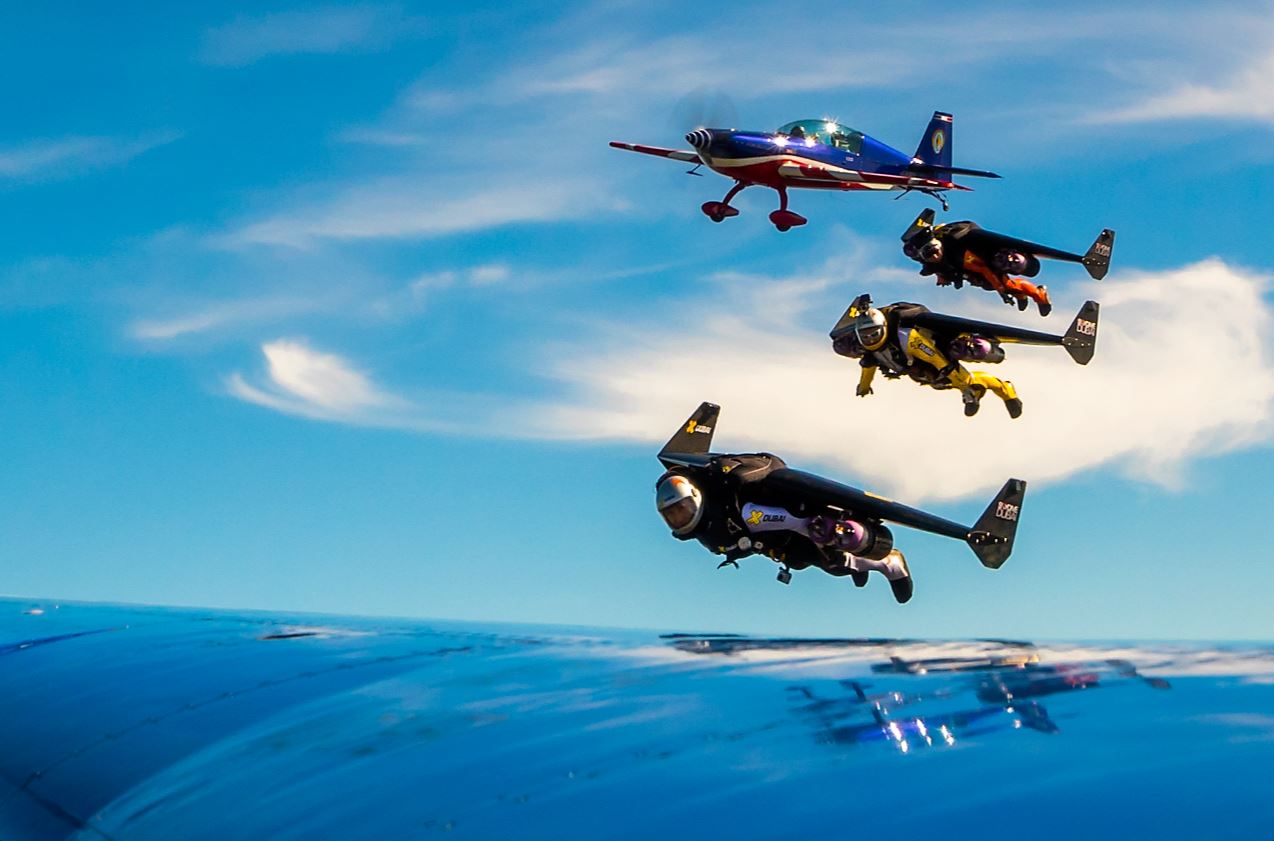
(939, 140)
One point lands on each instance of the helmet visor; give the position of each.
(681, 513)
(870, 331)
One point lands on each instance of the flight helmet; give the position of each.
(680, 503)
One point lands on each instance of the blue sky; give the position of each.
(351, 309)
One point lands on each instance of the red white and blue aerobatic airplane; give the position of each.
(820, 155)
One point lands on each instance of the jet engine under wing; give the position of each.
(1080, 339)
(659, 152)
(980, 239)
(815, 490)
(991, 538)
(950, 326)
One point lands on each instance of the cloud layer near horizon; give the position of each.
(1183, 370)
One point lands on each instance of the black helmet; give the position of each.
(931, 251)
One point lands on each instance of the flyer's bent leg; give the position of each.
(921, 348)
(893, 566)
(1002, 389)
(1024, 290)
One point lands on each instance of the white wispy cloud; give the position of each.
(218, 315)
(888, 51)
(300, 380)
(1244, 94)
(423, 207)
(328, 29)
(484, 275)
(1150, 403)
(522, 139)
(55, 157)
(303, 381)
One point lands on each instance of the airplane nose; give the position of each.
(699, 138)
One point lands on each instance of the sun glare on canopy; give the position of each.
(827, 132)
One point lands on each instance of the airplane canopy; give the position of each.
(827, 132)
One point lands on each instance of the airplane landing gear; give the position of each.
(720, 210)
(786, 220)
(785, 575)
(783, 218)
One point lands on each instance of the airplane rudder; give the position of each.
(694, 436)
(1097, 260)
(935, 147)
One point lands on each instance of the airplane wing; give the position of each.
(1080, 339)
(817, 175)
(1096, 260)
(991, 538)
(982, 239)
(659, 152)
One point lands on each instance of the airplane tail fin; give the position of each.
(924, 222)
(1097, 260)
(855, 309)
(694, 437)
(935, 147)
(1080, 340)
(991, 538)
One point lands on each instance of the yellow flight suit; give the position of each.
(921, 348)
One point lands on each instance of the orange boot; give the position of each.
(1023, 290)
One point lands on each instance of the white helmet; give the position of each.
(679, 502)
(870, 329)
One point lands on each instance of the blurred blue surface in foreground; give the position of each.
(151, 723)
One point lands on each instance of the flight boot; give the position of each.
(899, 576)
(972, 402)
(1045, 304)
